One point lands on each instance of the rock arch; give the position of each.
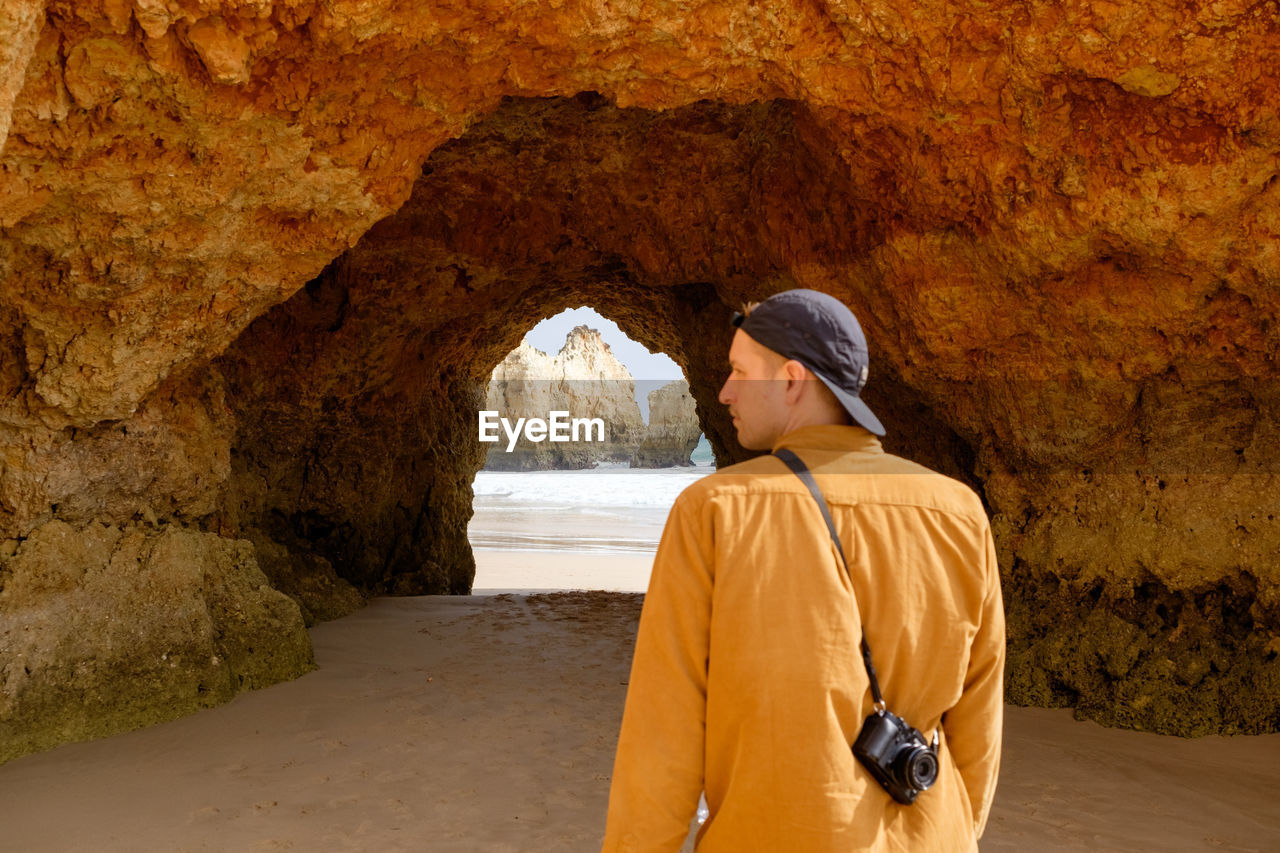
(247, 257)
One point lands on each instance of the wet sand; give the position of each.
(488, 724)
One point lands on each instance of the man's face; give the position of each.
(755, 392)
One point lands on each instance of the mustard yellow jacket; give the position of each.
(747, 681)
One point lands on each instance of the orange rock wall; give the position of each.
(180, 167)
(1058, 224)
(546, 199)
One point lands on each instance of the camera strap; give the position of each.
(802, 471)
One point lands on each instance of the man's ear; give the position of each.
(796, 374)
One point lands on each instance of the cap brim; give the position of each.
(858, 410)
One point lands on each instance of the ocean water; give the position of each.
(600, 510)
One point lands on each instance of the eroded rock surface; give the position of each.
(308, 579)
(1058, 226)
(106, 628)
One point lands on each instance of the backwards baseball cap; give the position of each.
(820, 332)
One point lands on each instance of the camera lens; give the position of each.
(921, 767)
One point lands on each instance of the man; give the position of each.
(747, 680)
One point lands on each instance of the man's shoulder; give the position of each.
(760, 474)
(845, 477)
(897, 480)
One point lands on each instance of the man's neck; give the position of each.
(799, 419)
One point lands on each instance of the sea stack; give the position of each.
(585, 380)
(673, 429)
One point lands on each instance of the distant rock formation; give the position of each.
(587, 381)
(673, 429)
(584, 379)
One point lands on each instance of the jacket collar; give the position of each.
(831, 437)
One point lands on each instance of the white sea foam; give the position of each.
(602, 510)
(648, 488)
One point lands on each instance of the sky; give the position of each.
(650, 370)
(549, 336)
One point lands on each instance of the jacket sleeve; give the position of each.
(658, 769)
(974, 726)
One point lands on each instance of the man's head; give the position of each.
(798, 359)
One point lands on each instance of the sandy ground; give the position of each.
(488, 724)
(525, 572)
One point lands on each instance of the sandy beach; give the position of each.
(525, 572)
(488, 723)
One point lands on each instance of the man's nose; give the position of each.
(725, 396)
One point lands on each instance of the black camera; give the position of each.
(897, 755)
